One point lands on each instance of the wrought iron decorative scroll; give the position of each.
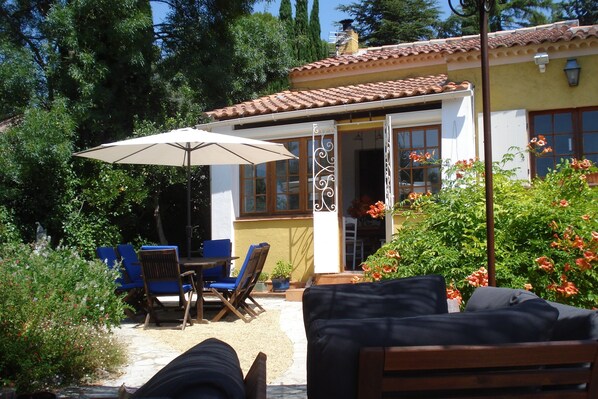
(388, 172)
(324, 168)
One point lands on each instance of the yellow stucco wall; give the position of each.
(522, 86)
(289, 239)
(378, 76)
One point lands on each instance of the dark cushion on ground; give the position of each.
(486, 298)
(333, 345)
(573, 323)
(211, 369)
(413, 296)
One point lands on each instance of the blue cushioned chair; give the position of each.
(109, 256)
(162, 277)
(152, 247)
(215, 249)
(130, 262)
(231, 294)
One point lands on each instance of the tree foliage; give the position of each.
(504, 15)
(586, 11)
(382, 22)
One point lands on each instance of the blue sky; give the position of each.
(328, 13)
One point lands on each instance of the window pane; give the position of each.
(417, 139)
(281, 168)
(260, 186)
(589, 121)
(542, 124)
(563, 123)
(249, 205)
(434, 175)
(249, 188)
(294, 201)
(543, 164)
(404, 160)
(563, 145)
(261, 204)
(281, 185)
(590, 143)
(260, 170)
(293, 166)
(432, 138)
(403, 140)
(281, 203)
(247, 171)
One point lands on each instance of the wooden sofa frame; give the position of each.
(546, 370)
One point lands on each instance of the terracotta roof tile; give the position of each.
(319, 98)
(562, 31)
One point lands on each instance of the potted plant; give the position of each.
(260, 285)
(281, 275)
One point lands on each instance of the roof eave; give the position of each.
(339, 109)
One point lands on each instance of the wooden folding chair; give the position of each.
(162, 277)
(232, 294)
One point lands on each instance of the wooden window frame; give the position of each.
(577, 133)
(271, 192)
(428, 186)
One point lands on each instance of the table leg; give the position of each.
(199, 286)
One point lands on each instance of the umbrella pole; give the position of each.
(189, 229)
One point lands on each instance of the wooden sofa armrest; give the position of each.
(255, 380)
(565, 369)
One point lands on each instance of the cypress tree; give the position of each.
(301, 31)
(285, 14)
(316, 45)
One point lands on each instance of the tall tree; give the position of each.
(302, 32)
(381, 22)
(285, 14)
(586, 11)
(318, 48)
(504, 15)
(262, 56)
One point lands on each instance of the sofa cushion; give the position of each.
(572, 324)
(211, 369)
(334, 344)
(412, 296)
(486, 298)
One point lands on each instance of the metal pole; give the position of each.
(189, 229)
(467, 9)
(483, 10)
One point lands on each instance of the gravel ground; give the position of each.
(263, 334)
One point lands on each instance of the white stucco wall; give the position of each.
(458, 130)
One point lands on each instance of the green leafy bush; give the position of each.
(546, 236)
(56, 312)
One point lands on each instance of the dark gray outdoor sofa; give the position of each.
(396, 339)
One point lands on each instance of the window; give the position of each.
(413, 176)
(281, 187)
(571, 133)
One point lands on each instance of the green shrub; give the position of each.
(546, 236)
(56, 312)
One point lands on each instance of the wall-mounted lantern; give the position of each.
(572, 70)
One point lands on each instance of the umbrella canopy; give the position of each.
(187, 147)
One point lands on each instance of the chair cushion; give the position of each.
(573, 323)
(223, 285)
(334, 344)
(412, 296)
(167, 287)
(211, 369)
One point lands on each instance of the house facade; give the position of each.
(354, 119)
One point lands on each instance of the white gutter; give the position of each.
(338, 109)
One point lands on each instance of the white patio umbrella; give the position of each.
(188, 147)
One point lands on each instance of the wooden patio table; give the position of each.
(197, 264)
